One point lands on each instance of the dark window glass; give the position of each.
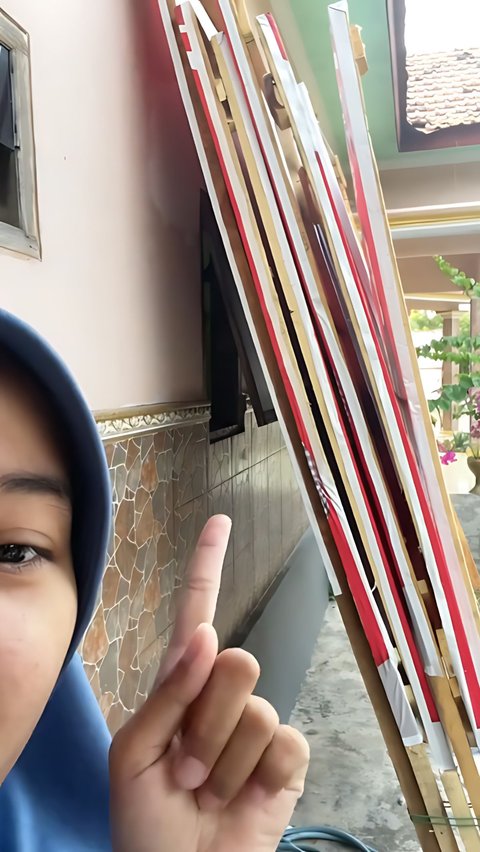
(233, 368)
(9, 206)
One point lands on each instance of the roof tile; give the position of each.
(443, 89)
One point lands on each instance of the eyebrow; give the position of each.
(33, 483)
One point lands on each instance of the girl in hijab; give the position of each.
(204, 765)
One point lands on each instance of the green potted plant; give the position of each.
(462, 350)
(457, 397)
(462, 397)
(464, 443)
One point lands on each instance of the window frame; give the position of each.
(25, 239)
(410, 138)
(253, 389)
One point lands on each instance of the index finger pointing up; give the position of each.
(198, 598)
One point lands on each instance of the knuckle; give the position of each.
(202, 583)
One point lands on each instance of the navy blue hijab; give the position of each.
(55, 799)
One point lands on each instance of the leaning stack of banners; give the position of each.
(321, 293)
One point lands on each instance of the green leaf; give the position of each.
(454, 393)
(457, 276)
(465, 380)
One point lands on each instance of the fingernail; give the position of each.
(190, 773)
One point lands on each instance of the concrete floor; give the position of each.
(467, 507)
(351, 782)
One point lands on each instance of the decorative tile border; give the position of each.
(129, 422)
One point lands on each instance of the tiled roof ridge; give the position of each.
(458, 52)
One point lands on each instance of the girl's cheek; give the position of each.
(25, 683)
(30, 661)
(36, 624)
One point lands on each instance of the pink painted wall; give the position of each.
(117, 291)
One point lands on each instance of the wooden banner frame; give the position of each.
(271, 271)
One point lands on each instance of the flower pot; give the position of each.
(474, 465)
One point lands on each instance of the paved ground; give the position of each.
(351, 782)
(467, 507)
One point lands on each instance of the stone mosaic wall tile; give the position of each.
(242, 447)
(299, 518)
(164, 487)
(226, 616)
(242, 511)
(260, 537)
(108, 670)
(242, 534)
(189, 522)
(220, 502)
(95, 645)
(259, 442)
(141, 548)
(274, 438)
(219, 462)
(274, 514)
(289, 492)
(189, 464)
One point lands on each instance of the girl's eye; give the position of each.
(17, 554)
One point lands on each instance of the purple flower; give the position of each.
(448, 457)
(475, 430)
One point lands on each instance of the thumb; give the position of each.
(148, 734)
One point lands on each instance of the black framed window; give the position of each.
(233, 371)
(9, 195)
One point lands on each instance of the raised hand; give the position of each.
(204, 766)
